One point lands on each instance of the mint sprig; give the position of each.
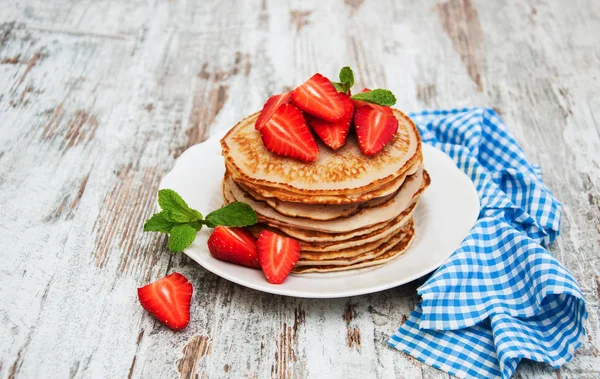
(346, 80)
(182, 222)
(377, 96)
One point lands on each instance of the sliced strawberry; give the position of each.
(375, 127)
(168, 299)
(318, 97)
(333, 134)
(277, 255)
(287, 134)
(235, 245)
(270, 107)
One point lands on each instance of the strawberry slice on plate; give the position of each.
(287, 134)
(277, 255)
(375, 127)
(168, 299)
(235, 245)
(334, 134)
(270, 107)
(318, 97)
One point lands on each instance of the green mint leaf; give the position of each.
(347, 78)
(377, 96)
(338, 86)
(169, 199)
(158, 223)
(177, 208)
(176, 217)
(197, 215)
(181, 236)
(197, 224)
(236, 214)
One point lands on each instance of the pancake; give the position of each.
(355, 254)
(320, 212)
(390, 228)
(343, 172)
(365, 218)
(283, 195)
(349, 252)
(312, 236)
(393, 253)
(347, 210)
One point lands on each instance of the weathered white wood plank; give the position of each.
(97, 99)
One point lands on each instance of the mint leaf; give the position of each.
(377, 96)
(170, 200)
(235, 214)
(158, 223)
(182, 222)
(338, 86)
(347, 78)
(176, 217)
(197, 224)
(181, 236)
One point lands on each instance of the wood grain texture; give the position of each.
(97, 99)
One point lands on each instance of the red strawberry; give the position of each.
(287, 134)
(270, 107)
(318, 97)
(235, 245)
(168, 299)
(333, 134)
(277, 255)
(375, 127)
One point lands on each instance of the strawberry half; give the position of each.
(235, 245)
(168, 299)
(318, 97)
(270, 107)
(277, 255)
(334, 134)
(287, 134)
(375, 127)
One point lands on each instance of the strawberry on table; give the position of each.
(168, 299)
(235, 245)
(318, 97)
(277, 255)
(287, 134)
(270, 107)
(375, 127)
(334, 134)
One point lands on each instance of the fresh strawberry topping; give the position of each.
(375, 127)
(270, 107)
(318, 97)
(168, 299)
(277, 255)
(334, 134)
(287, 134)
(235, 245)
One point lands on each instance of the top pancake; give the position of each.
(345, 171)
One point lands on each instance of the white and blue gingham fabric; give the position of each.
(501, 296)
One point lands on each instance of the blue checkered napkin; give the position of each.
(501, 296)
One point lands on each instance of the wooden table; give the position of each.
(98, 99)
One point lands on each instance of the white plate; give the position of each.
(446, 212)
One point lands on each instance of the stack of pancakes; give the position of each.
(347, 210)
